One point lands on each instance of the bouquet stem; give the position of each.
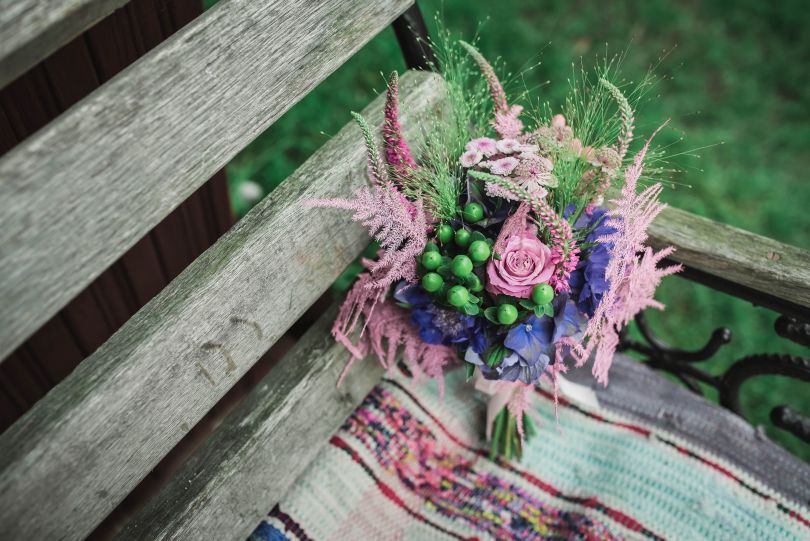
(506, 440)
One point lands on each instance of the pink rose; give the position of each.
(525, 262)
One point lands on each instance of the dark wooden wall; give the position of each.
(35, 99)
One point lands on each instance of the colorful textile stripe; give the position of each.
(407, 465)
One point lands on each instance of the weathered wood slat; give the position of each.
(757, 262)
(30, 30)
(85, 445)
(231, 483)
(75, 196)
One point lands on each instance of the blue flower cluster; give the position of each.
(588, 282)
(439, 326)
(531, 344)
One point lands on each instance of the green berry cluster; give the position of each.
(452, 268)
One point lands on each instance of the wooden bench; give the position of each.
(83, 190)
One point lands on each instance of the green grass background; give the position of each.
(733, 79)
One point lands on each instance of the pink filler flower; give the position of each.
(525, 262)
(484, 145)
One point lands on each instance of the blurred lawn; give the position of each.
(734, 73)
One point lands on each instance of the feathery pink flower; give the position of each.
(513, 225)
(397, 153)
(632, 277)
(520, 403)
(359, 302)
(401, 230)
(507, 123)
(495, 88)
(387, 332)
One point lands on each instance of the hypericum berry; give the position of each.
(472, 212)
(431, 260)
(479, 251)
(458, 296)
(475, 284)
(462, 266)
(463, 238)
(432, 282)
(542, 294)
(507, 314)
(431, 247)
(445, 233)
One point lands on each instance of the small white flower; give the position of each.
(504, 166)
(485, 145)
(508, 146)
(470, 158)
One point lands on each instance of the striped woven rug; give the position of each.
(409, 465)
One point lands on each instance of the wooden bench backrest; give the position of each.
(77, 194)
(80, 192)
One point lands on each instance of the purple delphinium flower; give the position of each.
(588, 282)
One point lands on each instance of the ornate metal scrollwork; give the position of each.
(682, 364)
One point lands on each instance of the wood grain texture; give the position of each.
(247, 466)
(79, 193)
(745, 258)
(82, 448)
(30, 30)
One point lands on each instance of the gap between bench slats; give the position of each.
(249, 463)
(78, 194)
(30, 30)
(85, 445)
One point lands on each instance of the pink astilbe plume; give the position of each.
(495, 88)
(387, 331)
(399, 226)
(428, 359)
(631, 271)
(360, 301)
(397, 154)
(642, 280)
(507, 123)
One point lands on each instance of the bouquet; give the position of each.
(496, 250)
